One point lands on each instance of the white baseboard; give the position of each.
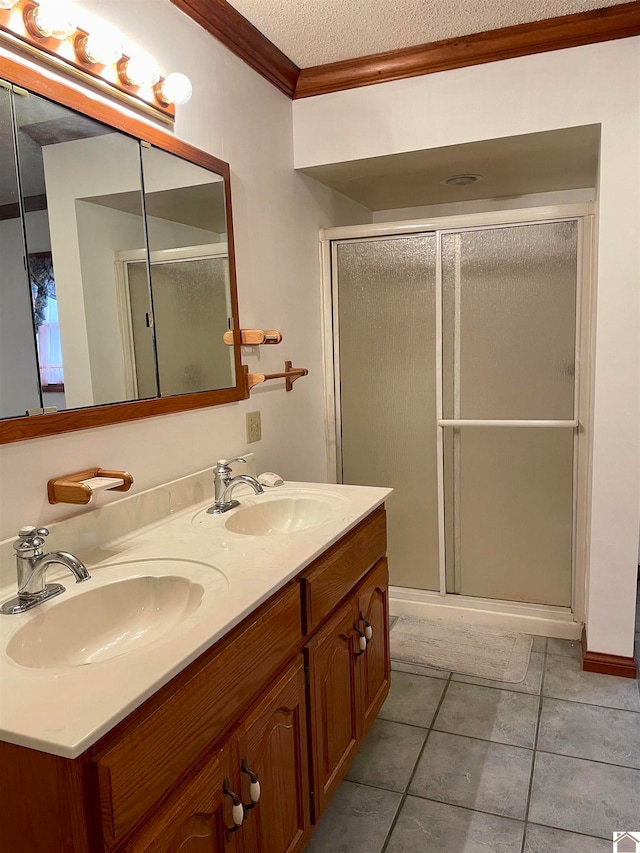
(529, 618)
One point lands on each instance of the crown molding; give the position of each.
(227, 25)
(565, 31)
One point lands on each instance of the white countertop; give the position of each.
(65, 710)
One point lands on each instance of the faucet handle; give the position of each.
(31, 538)
(223, 464)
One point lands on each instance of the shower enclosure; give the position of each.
(455, 354)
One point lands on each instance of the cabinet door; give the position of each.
(334, 666)
(194, 818)
(373, 618)
(271, 743)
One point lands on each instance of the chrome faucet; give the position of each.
(32, 565)
(224, 484)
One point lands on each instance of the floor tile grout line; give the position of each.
(433, 728)
(495, 686)
(405, 793)
(403, 723)
(591, 704)
(520, 820)
(482, 739)
(570, 831)
(590, 760)
(539, 692)
(458, 806)
(535, 746)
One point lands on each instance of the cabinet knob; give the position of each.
(368, 630)
(254, 785)
(237, 810)
(362, 640)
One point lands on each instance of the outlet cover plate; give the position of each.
(254, 427)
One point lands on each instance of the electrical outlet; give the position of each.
(254, 427)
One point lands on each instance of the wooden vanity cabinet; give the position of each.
(193, 820)
(347, 683)
(334, 705)
(288, 695)
(373, 613)
(271, 743)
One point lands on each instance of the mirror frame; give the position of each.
(38, 426)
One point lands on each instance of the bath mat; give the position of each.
(466, 649)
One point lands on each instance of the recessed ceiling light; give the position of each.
(461, 180)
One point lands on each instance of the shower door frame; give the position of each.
(560, 621)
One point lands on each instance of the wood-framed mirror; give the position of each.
(117, 280)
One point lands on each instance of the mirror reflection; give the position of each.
(115, 275)
(19, 382)
(187, 233)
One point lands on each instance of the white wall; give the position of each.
(239, 117)
(432, 211)
(594, 84)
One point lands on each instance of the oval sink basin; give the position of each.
(284, 515)
(103, 623)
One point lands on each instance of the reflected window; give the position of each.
(45, 315)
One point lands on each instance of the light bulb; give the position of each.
(8, 4)
(103, 47)
(141, 70)
(176, 88)
(53, 20)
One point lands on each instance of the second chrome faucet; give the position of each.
(225, 483)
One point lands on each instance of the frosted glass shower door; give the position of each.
(384, 311)
(508, 409)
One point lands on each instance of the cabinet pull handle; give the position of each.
(237, 810)
(254, 785)
(368, 630)
(362, 640)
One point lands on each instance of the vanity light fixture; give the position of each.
(138, 71)
(100, 48)
(49, 30)
(50, 19)
(176, 88)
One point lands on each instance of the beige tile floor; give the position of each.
(456, 764)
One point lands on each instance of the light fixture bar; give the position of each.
(26, 52)
(96, 58)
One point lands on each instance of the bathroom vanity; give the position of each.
(244, 743)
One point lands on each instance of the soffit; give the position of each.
(511, 166)
(312, 33)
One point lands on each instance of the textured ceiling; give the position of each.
(314, 32)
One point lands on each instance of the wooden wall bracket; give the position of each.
(254, 337)
(290, 374)
(80, 487)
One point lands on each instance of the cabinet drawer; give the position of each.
(189, 816)
(327, 581)
(135, 771)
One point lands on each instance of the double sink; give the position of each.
(132, 603)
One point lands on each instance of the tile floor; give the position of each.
(456, 764)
